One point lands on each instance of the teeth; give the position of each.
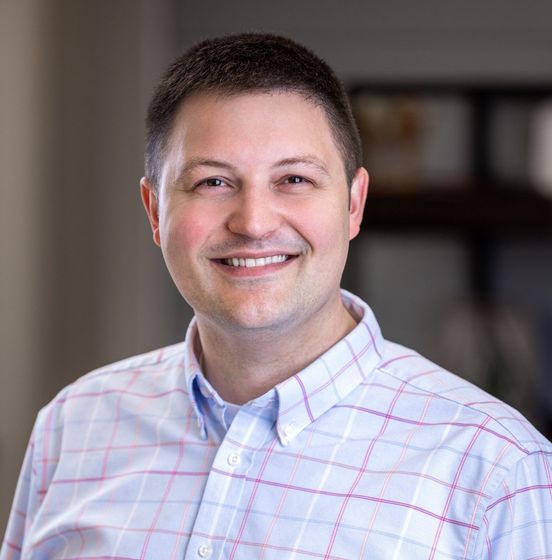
(250, 263)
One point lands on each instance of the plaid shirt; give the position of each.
(370, 452)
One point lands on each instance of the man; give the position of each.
(284, 426)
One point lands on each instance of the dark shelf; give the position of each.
(480, 208)
(476, 210)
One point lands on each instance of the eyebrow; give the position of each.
(303, 160)
(207, 162)
(202, 162)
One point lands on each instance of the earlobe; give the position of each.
(359, 192)
(150, 201)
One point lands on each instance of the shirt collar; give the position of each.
(193, 374)
(305, 396)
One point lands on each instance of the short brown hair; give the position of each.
(243, 63)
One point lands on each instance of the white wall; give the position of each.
(27, 180)
(397, 39)
(81, 282)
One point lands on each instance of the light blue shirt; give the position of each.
(370, 452)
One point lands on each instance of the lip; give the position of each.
(254, 271)
(256, 254)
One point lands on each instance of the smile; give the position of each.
(251, 263)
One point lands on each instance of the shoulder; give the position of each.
(140, 376)
(111, 404)
(457, 402)
(147, 362)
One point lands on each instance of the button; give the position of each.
(289, 431)
(233, 459)
(205, 550)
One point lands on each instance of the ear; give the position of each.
(358, 194)
(151, 204)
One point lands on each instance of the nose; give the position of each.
(255, 213)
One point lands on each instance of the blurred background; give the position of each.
(454, 102)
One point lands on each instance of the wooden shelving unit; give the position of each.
(464, 211)
(481, 209)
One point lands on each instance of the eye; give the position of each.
(295, 180)
(212, 182)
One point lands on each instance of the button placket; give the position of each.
(224, 489)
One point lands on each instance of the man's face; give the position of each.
(253, 213)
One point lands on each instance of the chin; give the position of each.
(255, 317)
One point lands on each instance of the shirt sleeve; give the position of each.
(518, 520)
(24, 506)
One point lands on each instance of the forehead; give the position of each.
(251, 129)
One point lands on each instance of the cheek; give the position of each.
(328, 234)
(329, 225)
(182, 234)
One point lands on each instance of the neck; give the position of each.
(243, 364)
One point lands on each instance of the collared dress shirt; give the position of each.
(369, 452)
